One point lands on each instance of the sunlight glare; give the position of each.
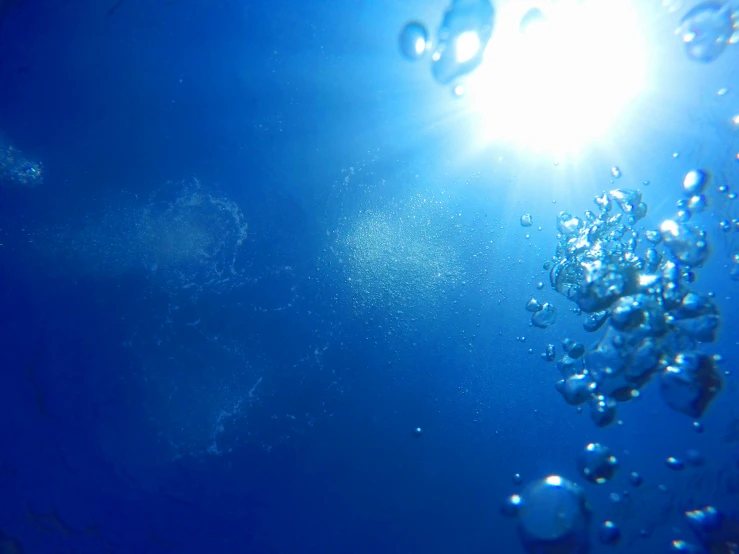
(467, 46)
(565, 80)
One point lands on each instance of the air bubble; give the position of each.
(706, 30)
(463, 37)
(413, 41)
(553, 516)
(597, 464)
(545, 317)
(695, 181)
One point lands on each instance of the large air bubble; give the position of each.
(553, 517)
(707, 29)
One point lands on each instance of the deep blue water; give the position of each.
(161, 393)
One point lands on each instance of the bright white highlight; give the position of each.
(554, 480)
(466, 46)
(564, 81)
(669, 227)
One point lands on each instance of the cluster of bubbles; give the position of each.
(715, 531)
(463, 35)
(708, 28)
(554, 515)
(183, 238)
(16, 169)
(728, 224)
(637, 284)
(654, 321)
(696, 201)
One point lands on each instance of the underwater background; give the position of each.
(285, 277)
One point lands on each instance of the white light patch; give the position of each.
(554, 480)
(565, 80)
(467, 46)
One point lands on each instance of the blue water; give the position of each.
(144, 411)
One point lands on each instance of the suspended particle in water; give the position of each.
(526, 220)
(413, 41)
(706, 30)
(15, 169)
(517, 479)
(616, 172)
(635, 479)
